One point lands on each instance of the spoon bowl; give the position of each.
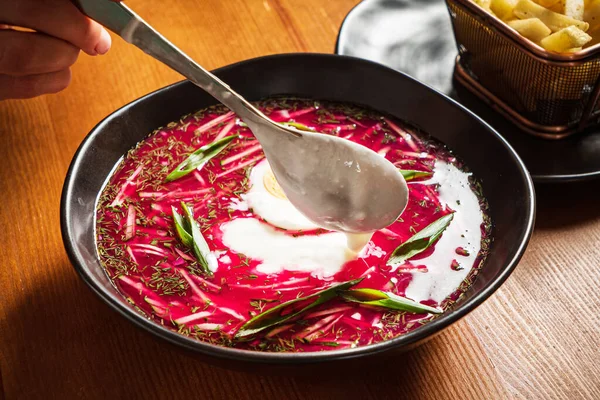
(338, 184)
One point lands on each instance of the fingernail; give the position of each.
(104, 44)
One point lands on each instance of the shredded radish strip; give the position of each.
(241, 155)
(155, 302)
(234, 286)
(406, 136)
(153, 195)
(298, 113)
(206, 283)
(192, 317)
(341, 344)
(246, 144)
(406, 161)
(131, 282)
(354, 322)
(189, 193)
(373, 129)
(240, 166)
(412, 268)
(339, 128)
(199, 177)
(314, 327)
(195, 288)
(317, 333)
(161, 222)
(376, 320)
(291, 282)
(384, 150)
(130, 252)
(151, 252)
(327, 312)
(159, 311)
(232, 313)
(225, 130)
(183, 255)
(367, 272)
(158, 207)
(136, 285)
(178, 262)
(283, 114)
(214, 122)
(286, 289)
(431, 195)
(120, 197)
(156, 249)
(209, 327)
(130, 226)
(416, 155)
(278, 330)
(357, 122)
(388, 232)
(389, 286)
(151, 231)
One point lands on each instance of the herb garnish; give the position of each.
(190, 235)
(378, 298)
(200, 157)
(420, 241)
(298, 126)
(275, 316)
(410, 174)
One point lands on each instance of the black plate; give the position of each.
(507, 185)
(415, 37)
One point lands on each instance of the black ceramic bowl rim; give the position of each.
(404, 341)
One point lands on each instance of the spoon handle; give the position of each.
(124, 22)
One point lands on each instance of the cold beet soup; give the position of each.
(195, 232)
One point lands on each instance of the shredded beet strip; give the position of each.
(243, 154)
(226, 129)
(130, 227)
(325, 329)
(195, 288)
(214, 122)
(240, 166)
(407, 137)
(120, 197)
(192, 317)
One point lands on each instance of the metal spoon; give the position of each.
(338, 184)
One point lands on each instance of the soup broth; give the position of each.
(197, 235)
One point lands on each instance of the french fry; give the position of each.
(526, 9)
(557, 7)
(565, 39)
(485, 4)
(592, 13)
(532, 28)
(547, 3)
(573, 8)
(503, 8)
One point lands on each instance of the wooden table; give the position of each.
(538, 337)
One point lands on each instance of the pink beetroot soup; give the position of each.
(162, 278)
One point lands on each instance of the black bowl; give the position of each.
(506, 183)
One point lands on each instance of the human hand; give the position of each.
(36, 63)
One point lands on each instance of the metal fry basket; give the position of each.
(546, 94)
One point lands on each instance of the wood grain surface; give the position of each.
(538, 337)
